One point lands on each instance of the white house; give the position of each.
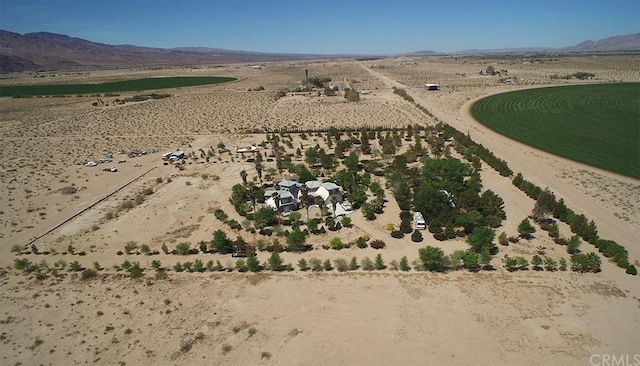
(288, 202)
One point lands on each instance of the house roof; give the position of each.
(313, 184)
(330, 186)
(287, 183)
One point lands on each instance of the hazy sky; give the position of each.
(324, 26)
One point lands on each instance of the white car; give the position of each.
(91, 163)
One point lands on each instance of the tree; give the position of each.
(182, 248)
(252, 262)
(351, 162)
(404, 264)
(523, 263)
(296, 241)
(243, 175)
(563, 264)
(353, 265)
(221, 243)
(550, 264)
(485, 259)
(304, 198)
(379, 263)
(544, 204)
(510, 263)
(525, 229)
(311, 156)
(536, 261)
(481, 238)
(432, 258)
(265, 216)
(366, 264)
(198, 266)
(573, 244)
(334, 204)
(341, 264)
(589, 262)
(416, 236)
(327, 265)
(275, 262)
(155, 264)
(502, 239)
(471, 260)
(302, 264)
(276, 201)
(631, 270)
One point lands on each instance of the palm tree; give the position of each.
(304, 197)
(259, 171)
(276, 201)
(334, 203)
(243, 175)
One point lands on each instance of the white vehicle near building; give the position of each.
(419, 220)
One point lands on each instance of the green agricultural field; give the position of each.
(596, 124)
(112, 87)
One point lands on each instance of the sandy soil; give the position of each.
(379, 318)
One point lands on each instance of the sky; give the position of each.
(327, 26)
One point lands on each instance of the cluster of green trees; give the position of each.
(433, 259)
(546, 203)
(447, 193)
(522, 264)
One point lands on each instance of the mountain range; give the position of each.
(50, 51)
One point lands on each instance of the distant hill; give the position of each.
(629, 42)
(50, 51)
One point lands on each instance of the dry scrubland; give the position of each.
(380, 317)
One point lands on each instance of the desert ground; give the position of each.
(385, 317)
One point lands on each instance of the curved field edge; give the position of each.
(597, 124)
(111, 87)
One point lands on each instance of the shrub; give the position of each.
(341, 265)
(404, 264)
(353, 265)
(336, 244)
(367, 264)
(327, 265)
(397, 234)
(416, 236)
(377, 244)
(316, 264)
(379, 263)
(182, 248)
(302, 264)
(631, 270)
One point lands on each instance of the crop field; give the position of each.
(111, 87)
(597, 125)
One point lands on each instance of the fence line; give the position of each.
(89, 207)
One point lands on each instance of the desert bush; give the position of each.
(631, 270)
(377, 244)
(336, 244)
(326, 265)
(353, 265)
(397, 234)
(182, 248)
(302, 264)
(341, 264)
(316, 264)
(367, 264)
(416, 236)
